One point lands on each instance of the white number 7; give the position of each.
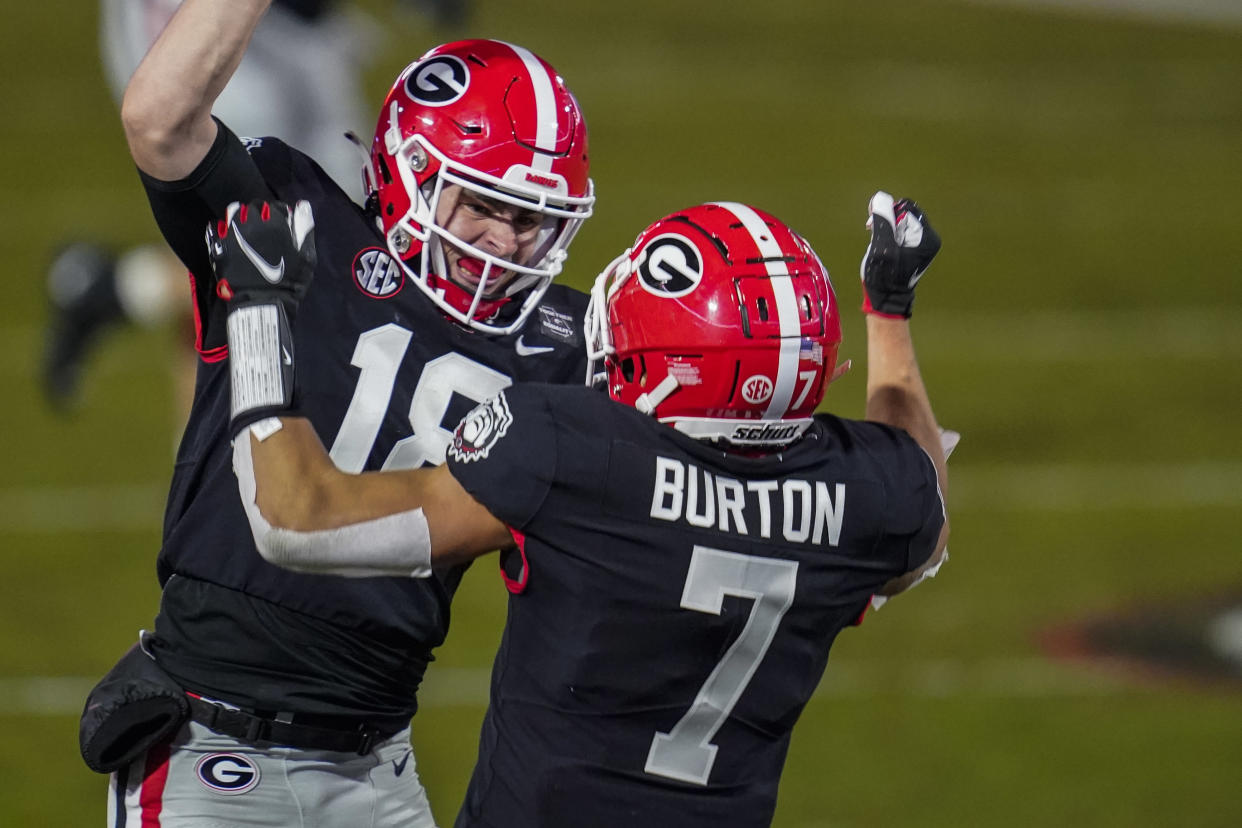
(686, 752)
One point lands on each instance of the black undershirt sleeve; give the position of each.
(183, 208)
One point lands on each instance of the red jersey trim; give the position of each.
(862, 614)
(517, 587)
(220, 352)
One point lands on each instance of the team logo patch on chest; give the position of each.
(229, 774)
(377, 274)
(481, 429)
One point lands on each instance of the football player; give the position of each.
(684, 549)
(428, 299)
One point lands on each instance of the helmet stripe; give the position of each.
(786, 307)
(545, 108)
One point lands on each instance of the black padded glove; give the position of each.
(263, 252)
(902, 247)
(263, 255)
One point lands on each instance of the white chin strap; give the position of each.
(646, 403)
(395, 545)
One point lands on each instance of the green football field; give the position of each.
(1080, 329)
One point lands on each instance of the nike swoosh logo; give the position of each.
(273, 273)
(398, 768)
(529, 350)
(288, 357)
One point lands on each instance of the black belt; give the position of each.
(254, 729)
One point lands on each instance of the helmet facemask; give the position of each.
(597, 332)
(524, 282)
(496, 121)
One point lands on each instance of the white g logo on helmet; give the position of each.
(439, 81)
(670, 265)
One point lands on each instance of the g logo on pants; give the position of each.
(227, 773)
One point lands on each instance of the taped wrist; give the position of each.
(396, 545)
(260, 362)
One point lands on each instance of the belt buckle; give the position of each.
(258, 730)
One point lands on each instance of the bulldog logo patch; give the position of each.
(481, 429)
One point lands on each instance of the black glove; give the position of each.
(263, 252)
(902, 246)
(263, 255)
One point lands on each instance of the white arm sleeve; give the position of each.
(395, 545)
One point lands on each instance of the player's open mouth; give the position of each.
(470, 273)
(471, 268)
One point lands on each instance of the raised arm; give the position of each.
(902, 247)
(166, 110)
(895, 391)
(305, 513)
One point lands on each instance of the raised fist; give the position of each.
(902, 246)
(263, 253)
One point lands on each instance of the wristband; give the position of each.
(260, 360)
(397, 545)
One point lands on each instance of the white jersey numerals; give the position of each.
(686, 752)
(441, 378)
(378, 354)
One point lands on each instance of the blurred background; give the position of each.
(1079, 660)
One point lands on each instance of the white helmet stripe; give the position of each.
(786, 307)
(545, 108)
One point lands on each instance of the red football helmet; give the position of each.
(721, 321)
(496, 120)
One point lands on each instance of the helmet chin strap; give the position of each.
(647, 402)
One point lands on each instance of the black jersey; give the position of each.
(677, 606)
(384, 377)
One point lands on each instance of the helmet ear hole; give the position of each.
(383, 169)
(737, 374)
(627, 369)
